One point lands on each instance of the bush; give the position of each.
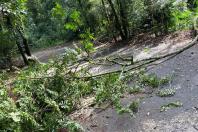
(44, 95)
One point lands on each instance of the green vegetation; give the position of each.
(166, 92)
(135, 89)
(134, 106)
(41, 97)
(41, 24)
(131, 109)
(41, 102)
(153, 81)
(170, 105)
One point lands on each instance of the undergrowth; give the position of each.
(153, 81)
(166, 92)
(42, 96)
(170, 105)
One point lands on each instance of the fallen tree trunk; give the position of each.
(145, 62)
(127, 67)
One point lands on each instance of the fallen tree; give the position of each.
(127, 64)
(130, 64)
(50, 92)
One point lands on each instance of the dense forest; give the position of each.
(36, 96)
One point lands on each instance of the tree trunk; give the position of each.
(25, 43)
(26, 46)
(108, 20)
(123, 16)
(117, 23)
(20, 48)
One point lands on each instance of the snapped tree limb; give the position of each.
(145, 62)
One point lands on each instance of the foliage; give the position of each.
(86, 36)
(44, 25)
(11, 20)
(42, 96)
(168, 15)
(181, 17)
(170, 105)
(109, 88)
(134, 106)
(6, 43)
(75, 23)
(40, 103)
(166, 92)
(134, 89)
(152, 80)
(52, 22)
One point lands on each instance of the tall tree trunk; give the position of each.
(123, 16)
(20, 48)
(26, 46)
(117, 22)
(108, 20)
(25, 43)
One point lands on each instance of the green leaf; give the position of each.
(89, 46)
(15, 116)
(71, 26)
(170, 105)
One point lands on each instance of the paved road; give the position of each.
(50, 53)
(184, 67)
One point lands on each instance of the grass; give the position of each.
(134, 106)
(170, 105)
(165, 80)
(131, 108)
(166, 92)
(153, 81)
(134, 90)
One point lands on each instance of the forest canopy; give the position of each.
(52, 22)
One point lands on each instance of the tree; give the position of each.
(10, 15)
(123, 16)
(117, 22)
(110, 29)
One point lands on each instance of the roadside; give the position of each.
(149, 118)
